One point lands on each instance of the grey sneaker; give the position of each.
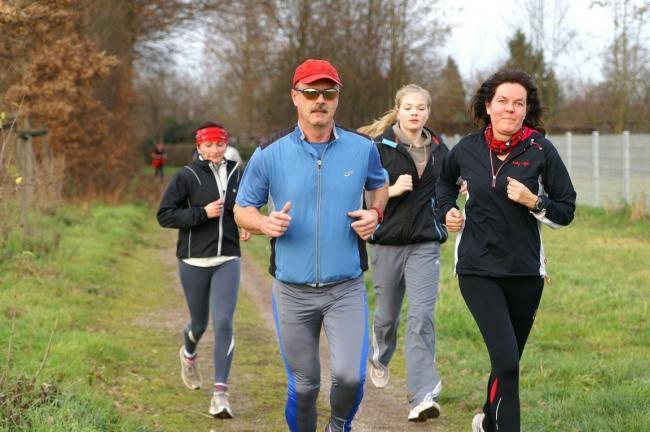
(220, 406)
(477, 423)
(189, 371)
(379, 375)
(425, 410)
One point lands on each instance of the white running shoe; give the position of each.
(477, 423)
(425, 410)
(190, 371)
(379, 375)
(220, 406)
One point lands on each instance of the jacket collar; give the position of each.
(333, 135)
(205, 165)
(389, 135)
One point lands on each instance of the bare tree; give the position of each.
(548, 29)
(377, 45)
(627, 58)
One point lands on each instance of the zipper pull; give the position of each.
(319, 162)
(494, 181)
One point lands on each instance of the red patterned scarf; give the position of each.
(503, 147)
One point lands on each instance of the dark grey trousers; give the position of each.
(412, 269)
(300, 312)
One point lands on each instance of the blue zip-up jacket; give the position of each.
(320, 246)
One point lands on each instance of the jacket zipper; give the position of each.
(419, 179)
(189, 238)
(407, 155)
(504, 162)
(225, 193)
(319, 164)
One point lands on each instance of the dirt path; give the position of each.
(196, 403)
(381, 410)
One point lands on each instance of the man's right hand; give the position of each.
(277, 222)
(453, 220)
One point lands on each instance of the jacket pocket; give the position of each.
(439, 228)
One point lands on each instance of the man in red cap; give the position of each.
(317, 173)
(316, 113)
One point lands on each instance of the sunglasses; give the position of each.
(312, 93)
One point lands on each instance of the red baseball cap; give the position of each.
(313, 70)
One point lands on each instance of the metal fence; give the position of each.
(607, 170)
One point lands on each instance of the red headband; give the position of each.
(211, 134)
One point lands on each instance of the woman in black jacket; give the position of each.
(516, 181)
(405, 248)
(199, 203)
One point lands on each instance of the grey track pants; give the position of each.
(300, 312)
(213, 289)
(412, 269)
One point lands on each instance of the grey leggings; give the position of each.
(212, 289)
(300, 312)
(412, 270)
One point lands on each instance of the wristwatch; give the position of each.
(539, 205)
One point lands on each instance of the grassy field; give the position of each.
(94, 278)
(586, 366)
(60, 282)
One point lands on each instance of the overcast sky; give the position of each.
(480, 33)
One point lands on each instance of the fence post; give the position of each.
(626, 166)
(569, 152)
(27, 185)
(595, 168)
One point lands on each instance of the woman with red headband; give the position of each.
(516, 181)
(199, 203)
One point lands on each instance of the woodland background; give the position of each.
(93, 82)
(89, 302)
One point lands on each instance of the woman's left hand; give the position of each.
(521, 194)
(244, 235)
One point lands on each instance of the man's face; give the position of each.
(318, 113)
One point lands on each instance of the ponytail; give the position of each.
(377, 127)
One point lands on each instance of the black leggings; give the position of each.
(504, 309)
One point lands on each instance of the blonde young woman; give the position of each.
(405, 248)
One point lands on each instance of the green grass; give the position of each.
(57, 282)
(586, 366)
(96, 277)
